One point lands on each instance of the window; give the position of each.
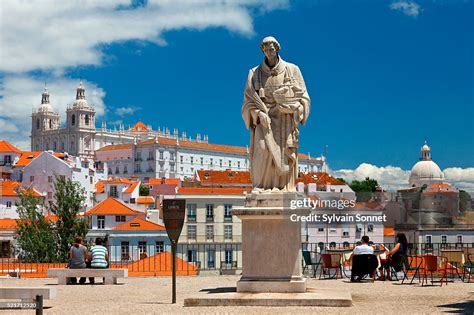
(227, 212)
(228, 256)
(228, 232)
(459, 238)
(9, 204)
(202, 161)
(142, 247)
(370, 228)
(209, 232)
(32, 178)
(161, 155)
(125, 250)
(211, 161)
(181, 159)
(113, 192)
(220, 162)
(428, 239)
(37, 123)
(86, 120)
(191, 232)
(444, 239)
(101, 222)
(230, 163)
(171, 156)
(117, 171)
(150, 156)
(192, 160)
(192, 255)
(125, 169)
(119, 218)
(209, 212)
(191, 212)
(50, 179)
(160, 246)
(238, 164)
(345, 232)
(73, 119)
(211, 258)
(320, 229)
(332, 230)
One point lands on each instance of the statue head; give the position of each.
(270, 47)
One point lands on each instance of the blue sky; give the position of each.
(382, 75)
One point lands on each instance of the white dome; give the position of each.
(425, 172)
(425, 147)
(45, 108)
(80, 103)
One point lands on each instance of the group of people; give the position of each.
(80, 257)
(393, 257)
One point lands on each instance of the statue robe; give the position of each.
(273, 151)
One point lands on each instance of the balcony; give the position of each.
(209, 218)
(227, 218)
(138, 159)
(191, 218)
(150, 158)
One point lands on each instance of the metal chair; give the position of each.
(309, 262)
(468, 267)
(411, 263)
(331, 261)
(434, 264)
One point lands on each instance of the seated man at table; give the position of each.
(363, 260)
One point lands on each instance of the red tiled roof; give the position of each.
(131, 188)
(9, 188)
(227, 177)
(168, 181)
(388, 231)
(145, 199)
(112, 206)
(27, 157)
(6, 146)
(319, 178)
(139, 224)
(116, 147)
(100, 185)
(8, 224)
(139, 127)
(211, 191)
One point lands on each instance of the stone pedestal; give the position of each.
(271, 244)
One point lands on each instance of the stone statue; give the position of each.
(275, 103)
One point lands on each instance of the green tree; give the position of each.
(464, 200)
(341, 180)
(67, 202)
(144, 190)
(366, 185)
(35, 235)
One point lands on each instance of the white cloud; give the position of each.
(51, 37)
(128, 110)
(63, 34)
(389, 177)
(392, 177)
(409, 8)
(21, 94)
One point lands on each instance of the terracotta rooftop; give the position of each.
(100, 185)
(116, 147)
(388, 231)
(112, 206)
(145, 200)
(139, 127)
(8, 224)
(27, 157)
(211, 191)
(139, 224)
(227, 177)
(319, 178)
(8, 188)
(6, 146)
(168, 181)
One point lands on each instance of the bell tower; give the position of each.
(43, 121)
(81, 125)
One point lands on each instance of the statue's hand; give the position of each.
(264, 120)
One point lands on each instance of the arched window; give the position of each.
(50, 124)
(73, 119)
(37, 123)
(87, 120)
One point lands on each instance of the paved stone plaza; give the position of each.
(152, 295)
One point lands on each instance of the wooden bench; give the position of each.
(110, 275)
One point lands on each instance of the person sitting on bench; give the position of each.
(99, 257)
(78, 256)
